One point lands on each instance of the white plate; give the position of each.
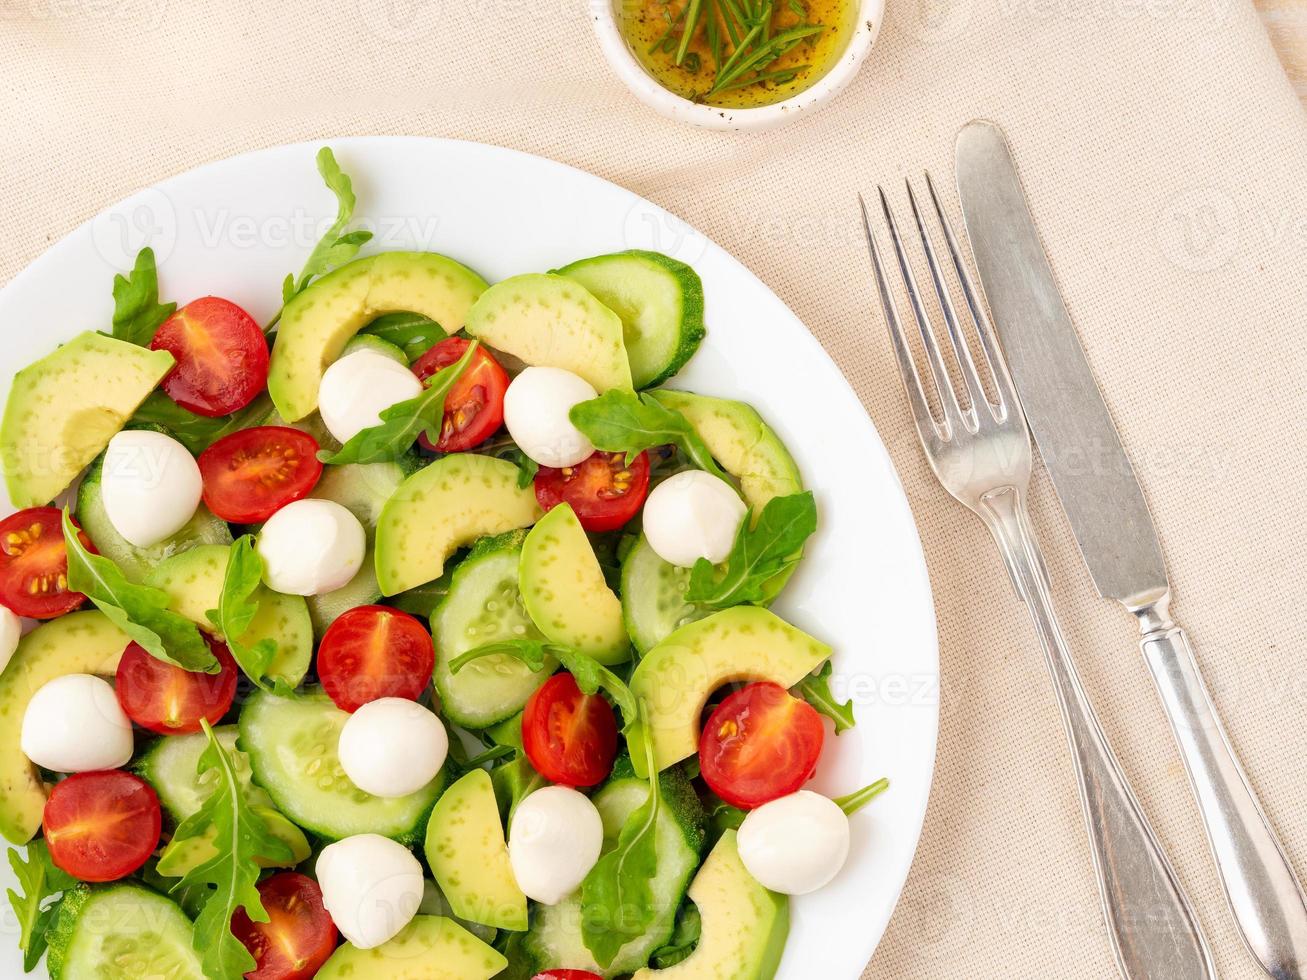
(236, 227)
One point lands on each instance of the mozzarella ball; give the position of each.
(535, 414)
(150, 486)
(371, 887)
(311, 547)
(392, 747)
(11, 631)
(796, 844)
(75, 724)
(356, 389)
(692, 515)
(553, 842)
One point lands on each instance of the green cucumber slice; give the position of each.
(122, 932)
(170, 764)
(653, 597)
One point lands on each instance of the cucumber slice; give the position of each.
(653, 597)
(292, 747)
(122, 932)
(203, 528)
(170, 764)
(366, 341)
(660, 301)
(484, 605)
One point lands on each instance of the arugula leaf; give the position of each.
(590, 675)
(815, 689)
(137, 312)
(526, 469)
(412, 333)
(621, 421)
(513, 782)
(197, 432)
(336, 247)
(617, 900)
(40, 881)
(232, 872)
(760, 553)
(237, 607)
(684, 938)
(404, 421)
(856, 800)
(138, 610)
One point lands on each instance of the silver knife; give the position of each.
(1102, 498)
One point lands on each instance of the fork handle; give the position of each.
(1152, 928)
(1263, 894)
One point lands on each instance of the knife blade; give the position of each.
(1064, 407)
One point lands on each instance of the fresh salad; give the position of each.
(419, 633)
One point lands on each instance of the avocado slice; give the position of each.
(193, 581)
(430, 947)
(317, 323)
(564, 591)
(79, 643)
(442, 508)
(744, 925)
(467, 854)
(552, 321)
(64, 409)
(676, 677)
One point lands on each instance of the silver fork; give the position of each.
(981, 453)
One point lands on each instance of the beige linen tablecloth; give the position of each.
(1165, 155)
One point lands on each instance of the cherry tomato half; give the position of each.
(171, 701)
(569, 737)
(101, 826)
(34, 564)
(299, 935)
(251, 474)
(221, 354)
(375, 652)
(567, 975)
(474, 407)
(760, 744)
(604, 492)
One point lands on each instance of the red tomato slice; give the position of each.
(299, 935)
(34, 564)
(604, 492)
(221, 354)
(567, 975)
(474, 408)
(569, 737)
(375, 652)
(101, 826)
(251, 474)
(171, 701)
(760, 744)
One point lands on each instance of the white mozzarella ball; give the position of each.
(553, 842)
(150, 486)
(311, 547)
(11, 631)
(371, 887)
(796, 844)
(692, 515)
(392, 747)
(356, 389)
(535, 414)
(74, 723)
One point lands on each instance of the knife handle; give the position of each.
(1152, 927)
(1260, 886)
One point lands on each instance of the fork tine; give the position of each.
(927, 428)
(1003, 387)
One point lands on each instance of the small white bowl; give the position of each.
(649, 91)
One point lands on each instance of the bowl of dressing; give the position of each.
(736, 64)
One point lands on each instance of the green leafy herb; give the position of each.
(197, 432)
(412, 333)
(336, 247)
(748, 27)
(526, 469)
(684, 938)
(137, 312)
(760, 553)
(514, 782)
(233, 872)
(621, 421)
(138, 610)
(40, 881)
(721, 817)
(238, 604)
(815, 689)
(590, 675)
(617, 900)
(403, 422)
(856, 800)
